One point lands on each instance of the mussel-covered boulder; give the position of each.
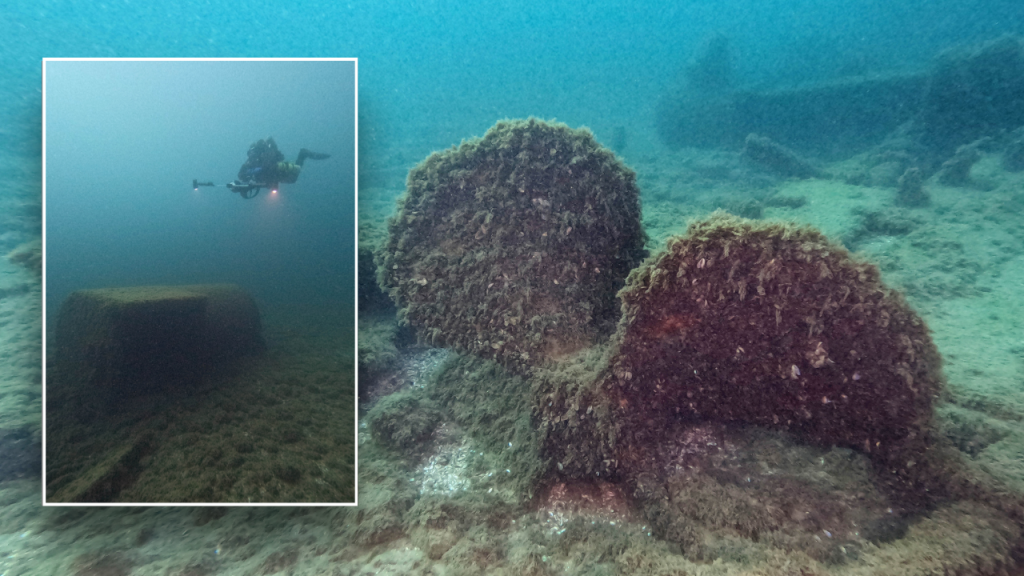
(513, 246)
(774, 325)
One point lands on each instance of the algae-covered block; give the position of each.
(123, 340)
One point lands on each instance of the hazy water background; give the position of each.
(125, 140)
(446, 70)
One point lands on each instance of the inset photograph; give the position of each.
(199, 262)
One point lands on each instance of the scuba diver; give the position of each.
(265, 167)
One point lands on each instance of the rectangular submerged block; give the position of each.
(130, 339)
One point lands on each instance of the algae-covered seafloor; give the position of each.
(270, 427)
(498, 459)
(455, 500)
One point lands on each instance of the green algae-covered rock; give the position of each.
(513, 246)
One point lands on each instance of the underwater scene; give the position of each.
(200, 331)
(680, 289)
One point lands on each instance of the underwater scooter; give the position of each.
(244, 189)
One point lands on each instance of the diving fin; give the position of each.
(313, 155)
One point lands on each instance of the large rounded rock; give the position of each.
(513, 246)
(772, 324)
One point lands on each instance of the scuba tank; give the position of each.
(288, 172)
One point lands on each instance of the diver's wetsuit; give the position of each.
(265, 164)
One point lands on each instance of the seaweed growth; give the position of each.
(512, 246)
